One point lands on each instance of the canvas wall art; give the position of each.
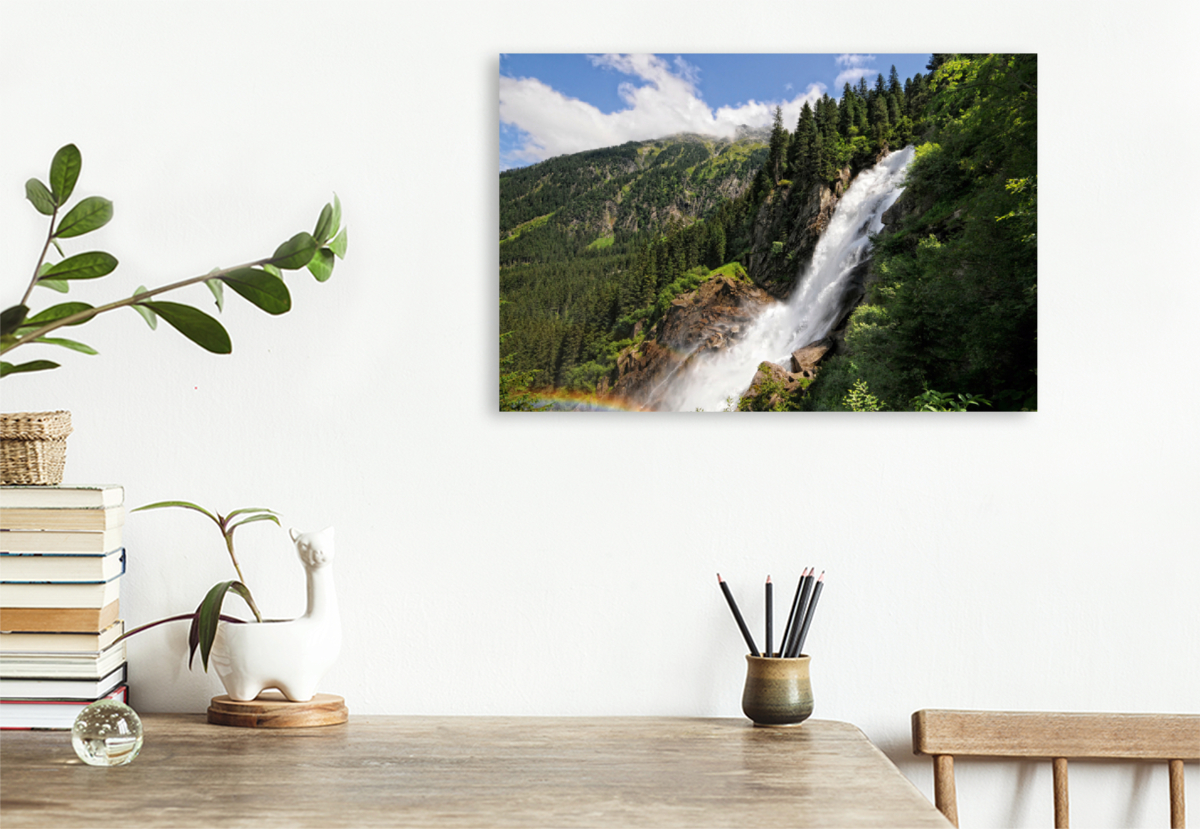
(783, 233)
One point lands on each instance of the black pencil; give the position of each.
(770, 613)
(789, 647)
(791, 622)
(737, 615)
(808, 616)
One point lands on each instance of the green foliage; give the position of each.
(260, 282)
(953, 290)
(206, 616)
(772, 395)
(860, 399)
(938, 401)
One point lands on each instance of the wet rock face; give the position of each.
(711, 318)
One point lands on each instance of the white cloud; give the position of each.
(667, 102)
(854, 67)
(853, 60)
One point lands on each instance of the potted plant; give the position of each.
(34, 444)
(249, 657)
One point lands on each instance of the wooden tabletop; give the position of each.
(466, 771)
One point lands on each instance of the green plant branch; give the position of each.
(83, 316)
(37, 269)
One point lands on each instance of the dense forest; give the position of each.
(595, 247)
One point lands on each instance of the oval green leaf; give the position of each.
(91, 213)
(60, 285)
(65, 343)
(57, 312)
(36, 365)
(295, 253)
(337, 214)
(261, 288)
(64, 172)
(12, 318)
(338, 245)
(194, 324)
(321, 265)
(324, 228)
(89, 265)
(39, 195)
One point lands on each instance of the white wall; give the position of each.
(565, 565)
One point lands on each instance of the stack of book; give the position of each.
(61, 562)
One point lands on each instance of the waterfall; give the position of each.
(819, 300)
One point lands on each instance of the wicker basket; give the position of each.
(33, 447)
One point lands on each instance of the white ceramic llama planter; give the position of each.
(291, 655)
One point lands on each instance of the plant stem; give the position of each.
(37, 269)
(178, 618)
(133, 300)
(228, 533)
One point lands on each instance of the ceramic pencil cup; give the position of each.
(778, 691)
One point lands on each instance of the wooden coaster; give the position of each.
(271, 709)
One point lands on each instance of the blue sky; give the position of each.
(556, 104)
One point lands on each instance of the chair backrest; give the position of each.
(945, 735)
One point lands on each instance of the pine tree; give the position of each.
(804, 165)
(778, 147)
(846, 111)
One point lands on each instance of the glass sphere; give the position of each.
(107, 733)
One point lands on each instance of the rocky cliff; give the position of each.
(709, 319)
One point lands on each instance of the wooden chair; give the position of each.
(945, 735)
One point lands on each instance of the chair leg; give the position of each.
(1178, 821)
(943, 787)
(1062, 809)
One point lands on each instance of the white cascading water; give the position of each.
(814, 306)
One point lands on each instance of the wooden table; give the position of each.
(466, 771)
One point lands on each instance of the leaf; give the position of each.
(337, 214)
(183, 504)
(218, 291)
(36, 365)
(64, 172)
(91, 213)
(324, 228)
(89, 265)
(261, 288)
(295, 252)
(338, 245)
(245, 510)
(194, 324)
(60, 285)
(208, 615)
(149, 316)
(11, 319)
(65, 343)
(322, 264)
(57, 312)
(251, 520)
(39, 195)
(271, 269)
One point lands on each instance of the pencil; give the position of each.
(770, 613)
(737, 615)
(805, 587)
(791, 622)
(808, 616)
